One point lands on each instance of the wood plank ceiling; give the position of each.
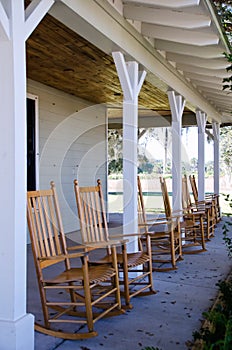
(58, 57)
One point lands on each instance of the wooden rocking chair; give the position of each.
(136, 268)
(69, 295)
(193, 239)
(211, 200)
(166, 247)
(207, 208)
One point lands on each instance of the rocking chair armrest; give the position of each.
(76, 247)
(105, 244)
(193, 214)
(154, 223)
(202, 202)
(63, 256)
(122, 236)
(157, 219)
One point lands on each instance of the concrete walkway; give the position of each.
(165, 320)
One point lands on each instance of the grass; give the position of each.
(154, 202)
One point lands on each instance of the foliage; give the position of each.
(144, 165)
(228, 81)
(218, 334)
(114, 144)
(226, 148)
(115, 166)
(224, 10)
(226, 227)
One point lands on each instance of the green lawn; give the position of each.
(153, 203)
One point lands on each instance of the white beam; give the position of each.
(216, 132)
(131, 82)
(220, 73)
(210, 51)
(213, 89)
(99, 23)
(179, 35)
(202, 77)
(215, 85)
(123, 75)
(219, 98)
(201, 123)
(177, 104)
(166, 17)
(197, 61)
(166, 3)
(16, 326)
(34, 13)
(4, 23)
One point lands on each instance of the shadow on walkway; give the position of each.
(165, 320)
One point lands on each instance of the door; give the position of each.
(32, 142)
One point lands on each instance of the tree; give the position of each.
(226, 149)
(224, 10)
(228, 81)
(115, 151)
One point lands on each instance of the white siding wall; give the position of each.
(72, 144)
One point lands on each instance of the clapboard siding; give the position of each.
(72, 144)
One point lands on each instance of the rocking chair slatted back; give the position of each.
(43, 215)
(94, 229)
(92, 216)
(167, 204)
(186, 199)
(194, 187)
(68, 294)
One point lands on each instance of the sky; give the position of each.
(155, 149)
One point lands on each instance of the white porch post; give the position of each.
(216, 132)
(16, 326)
(201, 123)
(177, 103)
(131, 82)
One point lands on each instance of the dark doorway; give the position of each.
(31, 145)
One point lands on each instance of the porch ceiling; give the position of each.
(187, 33)
(60, 58)
(184, 34)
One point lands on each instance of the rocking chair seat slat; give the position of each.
(97, 274)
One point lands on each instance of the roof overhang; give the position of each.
(171, 61)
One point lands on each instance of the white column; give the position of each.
(177, 104)
(131, 81)
(16, 326)
(201, 123)
(216, 133)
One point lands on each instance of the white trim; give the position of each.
(4, 22)
(131, 82)
(34, 13)
(37, 155)
(99, 23)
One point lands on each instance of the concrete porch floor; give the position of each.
(165, 320)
